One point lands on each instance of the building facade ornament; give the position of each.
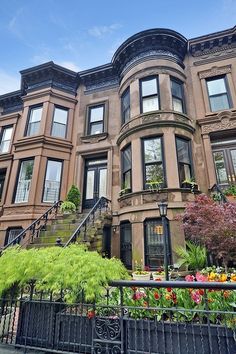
(214, 71)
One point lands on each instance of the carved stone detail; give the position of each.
(224, 120)
(214, 71)
(126, 202)
(93, 138)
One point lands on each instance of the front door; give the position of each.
(224, 155)
(95, 185)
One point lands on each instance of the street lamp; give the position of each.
(163, 212)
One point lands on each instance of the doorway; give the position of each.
(95, 178)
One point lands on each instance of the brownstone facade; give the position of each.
(162, 112)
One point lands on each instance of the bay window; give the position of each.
(184, 160)
(24, 181)
(153, 161)
(177, 96)
(33, 125)
(149, 94)
(125, 106)
(52, 181)
(126, 168)
(6, 140)
(59, 124)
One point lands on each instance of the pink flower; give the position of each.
(201, 277)
(189, 278)
(196, 297)
(138, 295)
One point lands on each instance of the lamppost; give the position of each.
(163, 212)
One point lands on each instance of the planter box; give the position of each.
(192, 187)
(145, 336)
(143, 277)
(158, 276)
(124, 191)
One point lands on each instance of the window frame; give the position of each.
(18, 175)
(190, 157)
(147, 78)
(89, 124)
(45, 174)
(128, 146)
(1, 136)
(123, 111)
(66, 130)
(181, 83)
(164, 184)
(3, 187)
(28, 119)
(20, 228)
(228, 95)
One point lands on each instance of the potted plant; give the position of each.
(194, 257)
(230, 193)
(154, 184)
(159, 274)
(189, 183)
(67, 207)
(125, 189)
(139, 273)
(73, 196)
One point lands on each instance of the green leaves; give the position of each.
(72, 269)
(194, 256)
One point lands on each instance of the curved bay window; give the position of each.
(149, 94)
(126, 157)
(153, 161)
(184, 160)
(154, 245)
(125, 106)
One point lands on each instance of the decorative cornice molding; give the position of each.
(223, 121)
(43, 141)
(214, 71)
(91, 139)
(11, 102)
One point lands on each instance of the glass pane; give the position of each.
(177, 105)
(152, 150)
(24, 181)
(59, 130)
(127, 180)
(216, 86)
(149, 87)
(12, 234)
(176, 89)
(233, 156)
(35, 114)
(154, 173)
(5, 146)
(184, 172)
(219, 102)
(125, 100)
(33, 128)
(96, 128)
(127, 159)
(126, 245)
(90, 184)
(7, 134)
(183, 150)
(103, 183)
(150, 104)
(220, 167)
(96, 162)
(60, 115)
(2, 180)
(96, 114)
(154, 244)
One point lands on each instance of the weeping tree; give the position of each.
(212, 225)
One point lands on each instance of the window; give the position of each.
(218, 95)
(126, 168)
(154, 245)
(6, 140)
(149, 94)
(52, 181)
(59, 122)
(177, 96)
(35, 115)
(96, 120)
(184, 159)
(2, 180)
(125, 106)
(11, 234)
(153, 164)
(24, 181)
(126, 244)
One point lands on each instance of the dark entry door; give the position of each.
(224, 155)
(126, 244)
(95, 185)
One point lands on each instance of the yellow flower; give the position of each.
(223, 277)
(233, 277)
(211, 276)
(168, 297)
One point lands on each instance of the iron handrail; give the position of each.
(97, 205)
(217, 188)
(33, 225)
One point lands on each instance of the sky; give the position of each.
(84, 34)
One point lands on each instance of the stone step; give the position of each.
(56, 227)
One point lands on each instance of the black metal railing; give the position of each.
(218, 194)
(130, 317)
(33, 230)
(103, 204)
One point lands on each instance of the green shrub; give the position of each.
(72, 269)
(194, 256)
(73, 196)
(67, 207)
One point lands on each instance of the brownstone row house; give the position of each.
(163, 111)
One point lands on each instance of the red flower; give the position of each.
(91, 314)
(169, 289)
(156, 295)
(201, 291)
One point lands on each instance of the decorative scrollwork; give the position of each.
(107, 328)
(106, 348)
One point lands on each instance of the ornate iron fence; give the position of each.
(124, 320)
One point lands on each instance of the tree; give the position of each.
(212, 225)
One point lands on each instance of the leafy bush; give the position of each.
(194, 256)
(72, 269)
(67, 207)
(231, 190)
(73, 196)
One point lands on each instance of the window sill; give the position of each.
(93, 138)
